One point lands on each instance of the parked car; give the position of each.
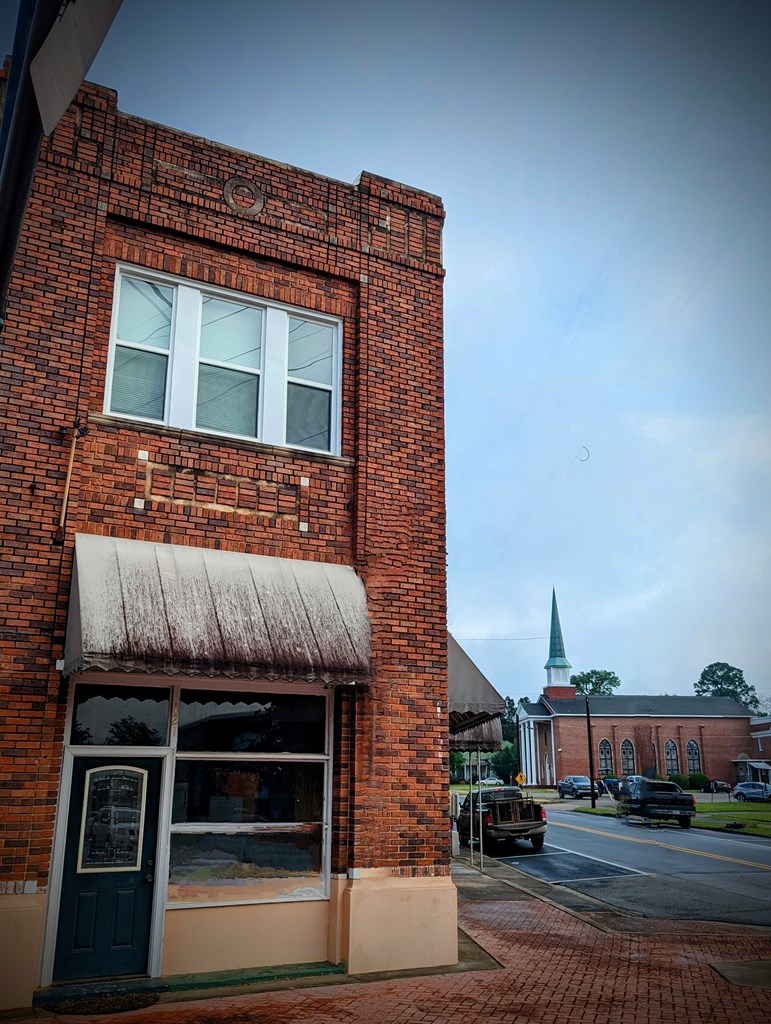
(751, 791)
(575, 787)
(653, 800)
(716, 786)
(632, 778)
(492, 780)
(612, 785)
(507, 814)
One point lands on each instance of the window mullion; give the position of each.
(184, 358)
(275, 377)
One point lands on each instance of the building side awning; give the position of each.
(472, 698)
(136, 606)
(485, 736)
(762, 766)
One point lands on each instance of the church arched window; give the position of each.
(671, 759)
(606, 757)
(627, 758)
(693, 756)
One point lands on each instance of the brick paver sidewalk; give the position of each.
(555, 968)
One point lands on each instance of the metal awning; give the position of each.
(136, 606)
(472, 698)
(762, 766)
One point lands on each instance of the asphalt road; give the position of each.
(658, 872)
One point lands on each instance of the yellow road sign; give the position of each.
(521, 779)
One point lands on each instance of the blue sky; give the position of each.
(605, 169)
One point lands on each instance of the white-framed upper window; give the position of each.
(202, 358)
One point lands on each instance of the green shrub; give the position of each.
(680, 780)
(698, 780)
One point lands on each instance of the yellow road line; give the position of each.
(665, 846)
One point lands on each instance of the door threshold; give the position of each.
(117, 995)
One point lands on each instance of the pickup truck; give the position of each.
(653, 800)
(507, 815)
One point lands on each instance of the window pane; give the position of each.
(310, 350)
(227, 400)
(308, 417)
(138, 383)
(252, 723)
(113, 803)
(215, 867)
(144, 316)
(242, 792)
(132, 716)
(230, 333)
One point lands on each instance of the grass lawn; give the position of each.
(748, 819)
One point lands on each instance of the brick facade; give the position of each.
(112, 189)
(720, 741)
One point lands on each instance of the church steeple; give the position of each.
(557, 667)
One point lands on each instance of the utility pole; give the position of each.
(591, 749)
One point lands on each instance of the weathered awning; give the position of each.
(142, 607)
(762, 766)
(485, 736)
(472, 698)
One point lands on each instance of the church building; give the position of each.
(630, 735)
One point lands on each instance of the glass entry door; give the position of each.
(109, 868)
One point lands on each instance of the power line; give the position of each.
(496, 639)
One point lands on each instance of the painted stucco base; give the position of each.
(372, 923)
(21, 936)
(230, 938)
(391, 924)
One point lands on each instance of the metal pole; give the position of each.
(470, 811)
(591, 750)
(479, 790)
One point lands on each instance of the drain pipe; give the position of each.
(78, 431)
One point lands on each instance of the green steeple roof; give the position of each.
(557, 657)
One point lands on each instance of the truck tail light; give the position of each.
(543, 814)
(488, 819)
(693, 798)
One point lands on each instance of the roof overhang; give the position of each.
(137, 606)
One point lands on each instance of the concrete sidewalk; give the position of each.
(562, 964)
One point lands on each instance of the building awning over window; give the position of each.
(762, 766)
(485, 736)
(473, 699)
(163, 608)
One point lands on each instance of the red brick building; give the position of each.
(223, 574)
(630, 735)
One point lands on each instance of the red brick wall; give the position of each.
(110, 187)
(720, 741)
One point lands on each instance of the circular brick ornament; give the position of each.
(243, 197)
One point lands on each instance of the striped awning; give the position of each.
(137, 606)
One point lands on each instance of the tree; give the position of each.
(598, 682)
(509, 720)
(128, 732)
(722, 680)
(504, 761)
(457, 760)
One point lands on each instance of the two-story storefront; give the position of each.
(223, 572)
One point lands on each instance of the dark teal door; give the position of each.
(109, 868)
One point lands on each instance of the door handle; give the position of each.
(148, 878)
